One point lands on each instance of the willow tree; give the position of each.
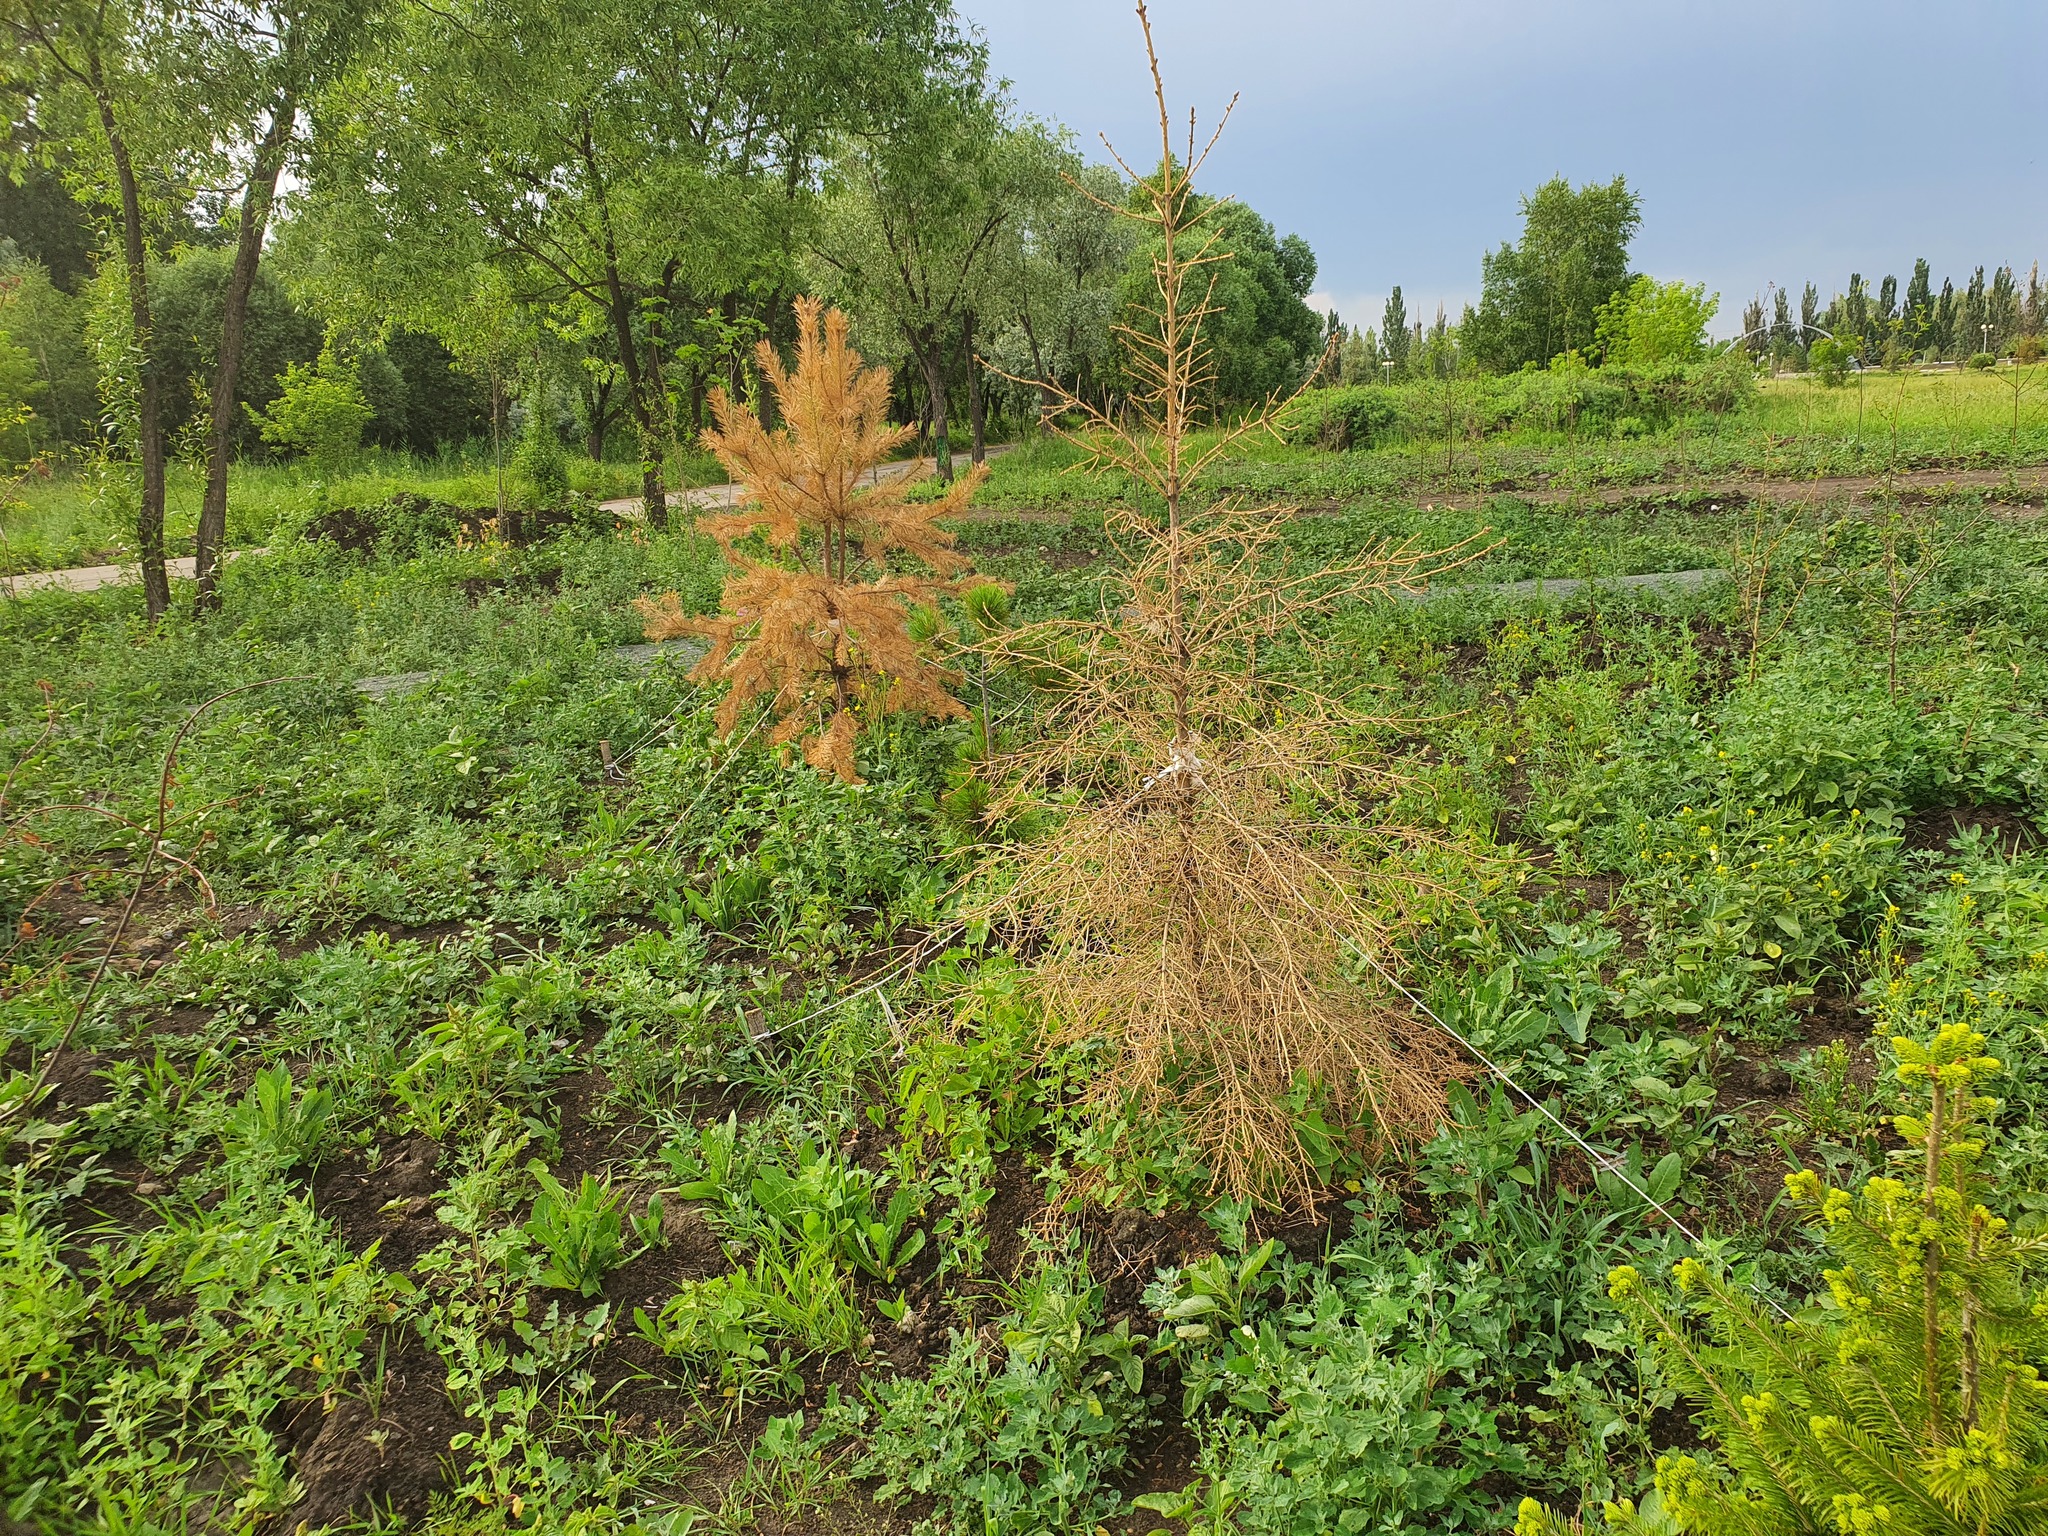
(86, 71)
(253, 74)
(636, 161)
(918, 221)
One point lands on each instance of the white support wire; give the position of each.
(1598, 1159)
(896, 973)
(1594, 1156)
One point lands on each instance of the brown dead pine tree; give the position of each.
(822, 626)
(1200, 901)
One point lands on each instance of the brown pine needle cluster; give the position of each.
(1206, 903)
(818, 624)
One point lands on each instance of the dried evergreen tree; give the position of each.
(821, 625)
(1199, 899)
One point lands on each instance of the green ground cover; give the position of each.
(545, 1116)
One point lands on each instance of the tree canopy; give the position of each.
(1262, 337)
(1542, 295)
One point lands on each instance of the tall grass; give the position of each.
(1792, 427)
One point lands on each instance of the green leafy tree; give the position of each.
(539, 458)
(88, 72)
(1542, 295)
(49, 325)
(20, 391)
(191, 297)
(1830, 360)
(1656, 325)
(251, 72)
(622, 159)
(1919, 306)
(1394, 331)
(917, 222)
(1260, 337)
(1914, 1402)
(321, 413)
(1061, 264)
(44, 222)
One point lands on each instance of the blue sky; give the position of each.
(1781, 141)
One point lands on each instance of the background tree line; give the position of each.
(1997, 317)
(1566, 290)
(244, 229)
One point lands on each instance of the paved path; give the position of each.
(89, 578)
(1567, 586)
(707, 497)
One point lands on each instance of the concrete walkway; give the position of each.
(1568, 586)
(718, 497)
(90, 578)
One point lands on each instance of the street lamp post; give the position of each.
(1986, 329)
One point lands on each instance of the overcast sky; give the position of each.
(1770, 140)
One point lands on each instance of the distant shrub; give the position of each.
(1830, 361)
(1629, 402)
(320, 412)
(1353, 416)
(538, 460)
(1982, 360)
(2028, 349)
(1719, 385)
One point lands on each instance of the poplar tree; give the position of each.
(2002, 309)
(1920, 307)
(1394, 331)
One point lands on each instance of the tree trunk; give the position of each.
(505, 514)
(766, 406)
(642, 394)
(654, 499)
(149, 435)
(1048, 401)
(977, 418)
(597, 416)
(735, 371)
(257, 199)
(933, 355)
(920, 401)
